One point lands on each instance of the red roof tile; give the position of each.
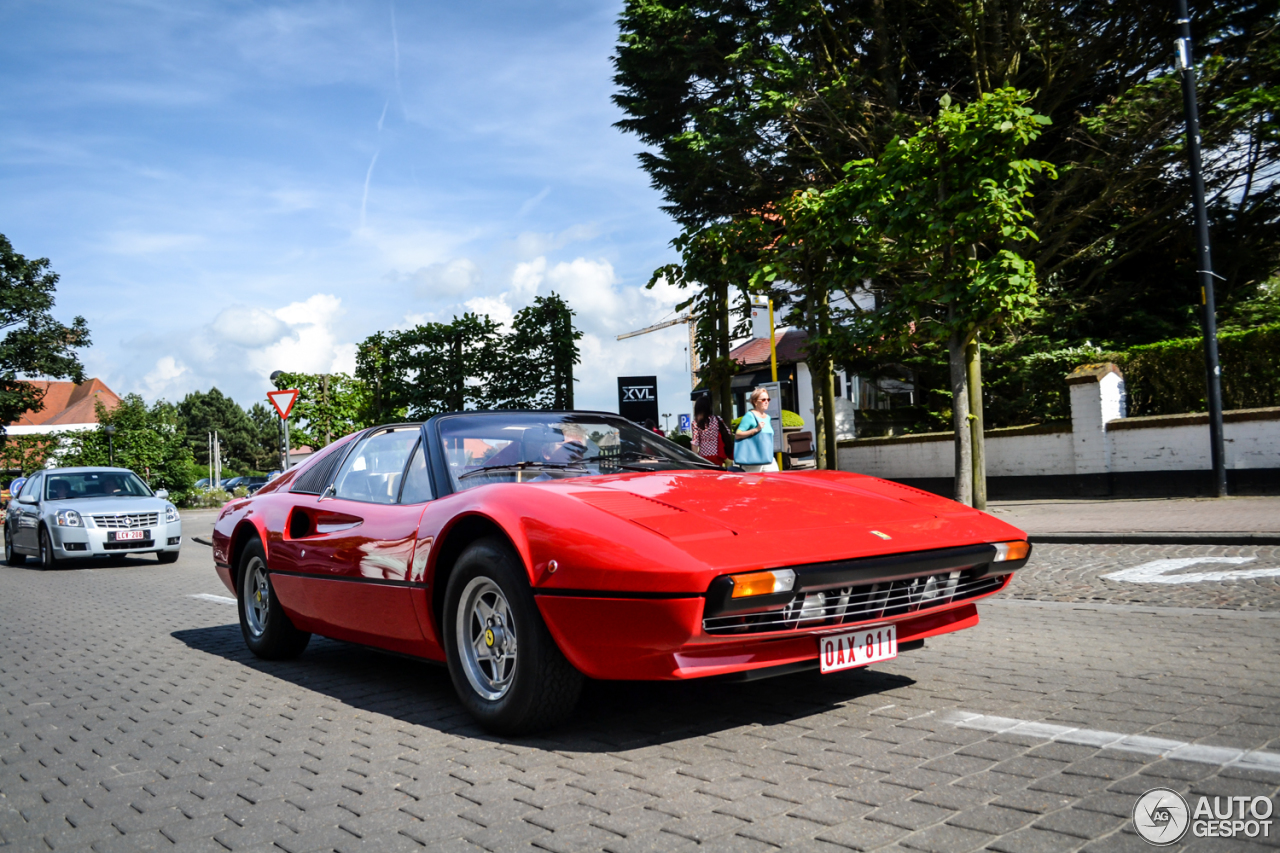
(69, 403)
(790, 349)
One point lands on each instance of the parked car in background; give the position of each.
(254, 483)
(204, 484)
(64, 513)
(528, 550)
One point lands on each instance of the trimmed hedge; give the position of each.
(1168, 378)
(790, 420)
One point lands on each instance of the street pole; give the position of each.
(1212, 370)
(286, 444)
(773, 368)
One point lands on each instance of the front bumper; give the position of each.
(71, 543)
(657, 636)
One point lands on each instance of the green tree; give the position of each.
(269, 437)
(329, 406)
(538, 358)
(203, 412)
(946, 210)
(148, 441)
(742, 104)
(34, 343)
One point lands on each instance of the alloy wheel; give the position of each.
(258, 597)
(486, 638)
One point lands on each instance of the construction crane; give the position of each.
(693, 350)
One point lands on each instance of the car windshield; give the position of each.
(76, 485)
(526, 447)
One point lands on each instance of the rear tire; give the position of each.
(505, 666)
(47, 559)
(12, 557)
(266, 628)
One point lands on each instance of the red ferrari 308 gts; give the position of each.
(530, 549)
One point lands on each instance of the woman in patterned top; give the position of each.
(711, 438)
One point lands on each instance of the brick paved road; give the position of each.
(132, 718)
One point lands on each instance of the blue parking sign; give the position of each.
(686, 423)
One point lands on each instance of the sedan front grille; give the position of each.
(851, 604)
(127, 521)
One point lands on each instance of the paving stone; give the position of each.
(158, 720)
(991, 819)
(946, 839)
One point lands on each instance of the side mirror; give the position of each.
(162, 493)
(27, 499)
(330, 491)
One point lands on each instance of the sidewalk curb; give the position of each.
(1154, 538)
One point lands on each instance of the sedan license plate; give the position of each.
(129, 535)
(858, 648)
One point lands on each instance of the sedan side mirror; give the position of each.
(27, 499)
(162, 493)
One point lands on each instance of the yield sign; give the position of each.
(283, 400)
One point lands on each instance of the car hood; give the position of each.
(780, 519)
(109, 506)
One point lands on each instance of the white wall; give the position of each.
(1097, 442)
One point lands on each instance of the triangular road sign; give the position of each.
(283, 400)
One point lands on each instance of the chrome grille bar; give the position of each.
(857, 604)
(127, 520)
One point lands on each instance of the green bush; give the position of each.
(1168, 378)
(790, 420)
(210, 498)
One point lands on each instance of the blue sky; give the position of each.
(232, 188)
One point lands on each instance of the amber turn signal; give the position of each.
(1011, 551)
(763, 583)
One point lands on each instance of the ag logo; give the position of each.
(1161, 816)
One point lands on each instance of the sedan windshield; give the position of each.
(528, 447)
(76, 485)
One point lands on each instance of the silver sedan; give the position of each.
(65, 513)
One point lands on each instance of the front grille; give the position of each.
(128, 546)
(127, 520)
(852, 604)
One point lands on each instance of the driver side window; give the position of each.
(372, 473)
(33, 486)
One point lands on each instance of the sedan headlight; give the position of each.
(69, 518)
(170, 514)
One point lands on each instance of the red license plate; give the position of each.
(130, 535)
(858, 648)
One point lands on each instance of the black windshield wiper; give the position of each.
(631, 457)
(520, 466)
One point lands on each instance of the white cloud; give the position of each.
(313, 346)
(249, 327)
(163, 376)
(453, 278)
(496, 308)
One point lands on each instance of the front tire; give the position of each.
(505, 666)
(266, 628)
(12, 557)
(47, 559)
(167, 556)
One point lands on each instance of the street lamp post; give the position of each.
(1205, 264)
(666, 422)
(110, 430)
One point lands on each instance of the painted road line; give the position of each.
(216, 599)
(1157, 571)
(1176, 750)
